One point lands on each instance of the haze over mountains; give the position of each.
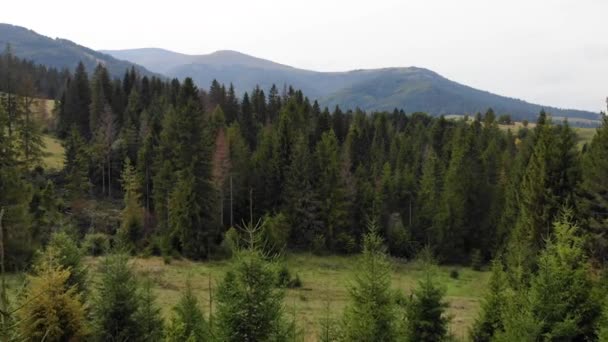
(412, 89)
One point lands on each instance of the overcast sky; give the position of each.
(552, 52)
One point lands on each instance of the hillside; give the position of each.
(59, 53)
(413, 89)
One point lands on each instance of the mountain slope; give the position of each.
(413, 89)
(59, 53)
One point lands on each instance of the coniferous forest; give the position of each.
(159, 167)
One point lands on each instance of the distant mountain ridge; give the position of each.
(412, 89)
(60, 53)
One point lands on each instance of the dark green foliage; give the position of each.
(249, 307)
(426, 318)
(117, 302)
(602, 326)
(371, 313)
(594, 192)
(132, 215)
(69, 256)
(96, 244)
(489, 320)
(188, 323)
(562, 292)
(275, 234)
(76, 166)
(149, 316)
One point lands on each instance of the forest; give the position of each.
(158, 167)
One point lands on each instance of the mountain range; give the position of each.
(412, 89)
(60, 53)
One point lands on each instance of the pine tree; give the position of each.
(562, 292)
(15, 198)
(426, 318)
(489, 320)
(455, 218)
(371, 312)
(27, 128)
(302, 204)
(132, 216)
(548, 184)
(428, 196)
(188, 323)
(76, 106)
(240, 176)
(593, 201)
(247, 122)
(69, 256)
(331, 188)
(117, 302)
(184, 216)
(45, 208)
(149, 316)
(249, 307)
(53, 310)
(76, 166)
(100, 92)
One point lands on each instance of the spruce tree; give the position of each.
(489, 320)
(69, 256)
(76, 165)
(331, 188)
(76, 105)
(188, 323)
(302, 204)
(184, 216)
(562, 293)
(249, 307)
(149, 316)
(426, 319)
(132, 215)
(52, 309)
(117, 301)
(593, 199)
(371, 313)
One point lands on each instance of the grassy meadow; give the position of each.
(324, 279)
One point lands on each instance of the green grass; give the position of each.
(323, 279)
(53, 153)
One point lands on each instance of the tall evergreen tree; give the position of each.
(76, 106)
(593, 201)
(117, 302)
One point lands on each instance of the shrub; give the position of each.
(346, 243)
(454, 274)
(275, 233)
(283, 276)
(295, 283)
(96, 244)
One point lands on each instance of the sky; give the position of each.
(551, 52)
